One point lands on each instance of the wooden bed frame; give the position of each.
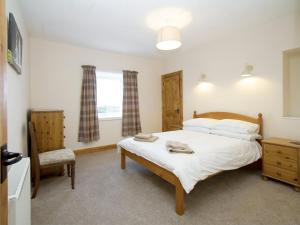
(169, 176)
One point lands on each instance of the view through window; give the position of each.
(109, 94)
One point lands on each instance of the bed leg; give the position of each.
(179, 199)
(123, 160)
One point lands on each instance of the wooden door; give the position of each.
(172, 101)
(3, 134)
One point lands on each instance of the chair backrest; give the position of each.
(34, 148)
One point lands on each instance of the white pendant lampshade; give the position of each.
(168, 38)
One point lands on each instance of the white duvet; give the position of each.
(212, 154)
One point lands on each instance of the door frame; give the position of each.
(3, 118)
(180, 72)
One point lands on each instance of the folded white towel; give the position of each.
(176, 150)
(176, 144)
(152, 139)
(178, 147)
(143, 136)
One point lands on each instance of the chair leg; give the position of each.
(62, 171)
(69, 170)
(73, 175)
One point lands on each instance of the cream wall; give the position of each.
(56, 77)
(18, 89)
(222, 61)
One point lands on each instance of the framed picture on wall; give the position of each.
(15, 44)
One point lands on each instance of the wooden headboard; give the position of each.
(235, 116)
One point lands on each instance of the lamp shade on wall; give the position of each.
(168, 38)
(247, 72)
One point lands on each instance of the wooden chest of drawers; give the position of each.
(281, 161)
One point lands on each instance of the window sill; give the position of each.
(109, 118)
(290, 118)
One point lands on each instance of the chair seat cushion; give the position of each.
(56, 157)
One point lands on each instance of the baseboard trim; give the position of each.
(94, 149)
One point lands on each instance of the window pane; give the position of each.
(109, 94)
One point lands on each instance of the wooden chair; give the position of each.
(59, 157)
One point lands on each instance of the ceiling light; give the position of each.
(169, 16)
(247, 72)
(168, 38)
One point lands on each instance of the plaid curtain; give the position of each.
(131, 124)
(89, 124)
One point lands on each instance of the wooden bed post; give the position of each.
(179, 198)
(195, 114)
(123, 159)
(260, 122)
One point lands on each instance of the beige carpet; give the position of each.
(106, 195)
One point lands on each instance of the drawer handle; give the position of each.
(278, 163)
(287, 157)
(295, 179)
(279, 152)
(278, 174)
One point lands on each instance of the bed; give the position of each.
(213, 155)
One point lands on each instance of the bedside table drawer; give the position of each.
(278, 161)
(280, 151)
(281, 174)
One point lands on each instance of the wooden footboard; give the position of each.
(163, 173)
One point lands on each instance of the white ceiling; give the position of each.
(121, 25)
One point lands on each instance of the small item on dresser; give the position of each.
(178, 147)
(145, 137)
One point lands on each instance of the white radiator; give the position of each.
(19, 193)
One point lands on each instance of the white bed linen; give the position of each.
(212, 154)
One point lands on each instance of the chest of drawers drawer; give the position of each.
(281, 162)
(281, 174)
(281, 151)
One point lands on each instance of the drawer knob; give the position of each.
(295, 179)
(287, 157)
(278, 174)
(279, 152)
(278, 163)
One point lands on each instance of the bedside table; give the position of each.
(281, 161)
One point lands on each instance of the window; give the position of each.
(109, 95)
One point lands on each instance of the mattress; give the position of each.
(212, 154)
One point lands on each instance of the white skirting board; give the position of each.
(19, 193)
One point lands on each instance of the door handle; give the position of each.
(9, 158)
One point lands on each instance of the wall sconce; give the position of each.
(204, 85)
(202, 78)
(247, 72)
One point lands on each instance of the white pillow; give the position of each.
(197, 129)
(247, 137)
(201, 122)
(237, 126)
